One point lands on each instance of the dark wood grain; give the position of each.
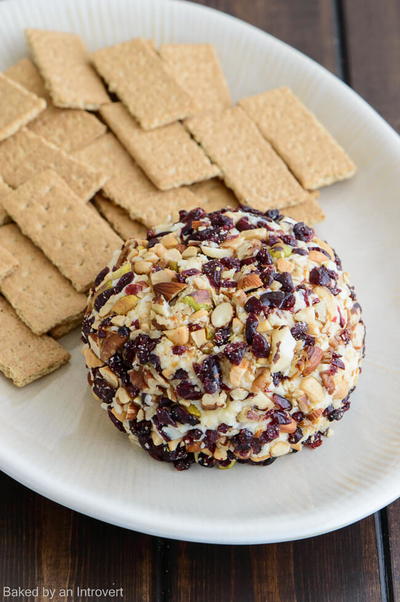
(373, 53)
(47, 545)
(308, 25)
(393, 535)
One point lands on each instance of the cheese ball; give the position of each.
(233, 336)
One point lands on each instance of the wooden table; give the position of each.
(44, 544)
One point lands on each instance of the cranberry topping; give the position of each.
(303, 232)
(251, 328)
(281, 402)
(234, 352)
(260, 346)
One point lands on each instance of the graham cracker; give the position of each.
(168, 155)
(40, 295)
(214, 195)
(70, 233)
(312, 154)
(26, 154)
(309, 212)
(64, 63)
(126, 181)
(8, 263)
(197, 70)
(66, 327)
(249, 165)
(136, 73)
(163, 207)
(24, 356)
(4, 189)
(69, 129)
(119, 219)
(28, 76)
(17, 107)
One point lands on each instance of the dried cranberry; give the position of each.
(179, 349)
(206, 461)
(187, 390)
(289, 240)
(144, 345)
(263, 257)
(134, 289)
(286, 281)
(164, 417)
(180, 414)
(303, 232)
(221, 335)
(102, 298)
(277, 377)
(223, 428)
(314, 441)
(209, 372)
(281, 402)
(180, 374)
(320, 276)
(298, 416)
(299, 331)
(273, 214)
(251, 328)
(185, 463)
(154, 360)
(193, 435)
(213, 270)
(279, 417)
(182, 276)
(296, 436)
(231, 263)
(253, 306)
(152, 242)
(267, 277)
(116, 422)
(228, 284)
(260, 346)
(86, 328)
(244, 224)
(234, 352)
(123, 282)
(219, 220)
(299, 251)
(193, 327)
(270, 433)
(289, 302)
(242, 441)
(124, 331)
(272, 298)
(101, 275)
(336, 361)
(103, 390)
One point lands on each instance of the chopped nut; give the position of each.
(179, 336)
(258, 233)
(262, 402)
(261, 381)
(110, 344)
(317, 257)
(237, 326)
(222, 315)
(190, 252)
(250, 281)
(172, 255)
(109, 376)
(284, 265)
(92, 361)
(232, 243)
(125, 304)
(315, 415)
(94, 344)
(324, 245)
(120, 415)
(328, 382)
(288, 428)
(169, 290)
(237, 372)
(122, 396)
(239, 394)
(199, 316)
(312, 389)
(199, 337)
(264, 326)
(341, 387)
(132, 411)
(162, 276)
(170, 240)
(214, 401)
(282, 348)
(280, 448)
(314, 357)
(142, 267)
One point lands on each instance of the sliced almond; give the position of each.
(288, 428)
(324, 245)
(179, 336)
(232, 243)
(216, 252)
(121, 416)
(125, 304)
(258, 233)
(222, 315)
(169, 290)
(317, 256)
(262, 380)
(250, 281)
(237, 326)
(190, 252)
(284, 265)
(122, 396)
(280, 448)
(92, 361)
(199, 316)
(109, 376)
(213, 401)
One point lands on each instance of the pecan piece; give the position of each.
(315, 355)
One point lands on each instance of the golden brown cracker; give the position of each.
(119, 219)
(8, 263)
(163, 207)
(69, 129)
(17, 107)
(249, 165)
(139, 78)
(70, 233)
(28, 76)
(4, 189)
(214, 195)
(64, 63)
(26, 154)
(309, 212)
(168, 155)
(197, 69)
(24, 356)
(311, 153)
(40, 295)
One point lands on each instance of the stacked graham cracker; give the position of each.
(79, 172)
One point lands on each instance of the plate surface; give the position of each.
(55, 439)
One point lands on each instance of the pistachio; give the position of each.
(222, 315)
